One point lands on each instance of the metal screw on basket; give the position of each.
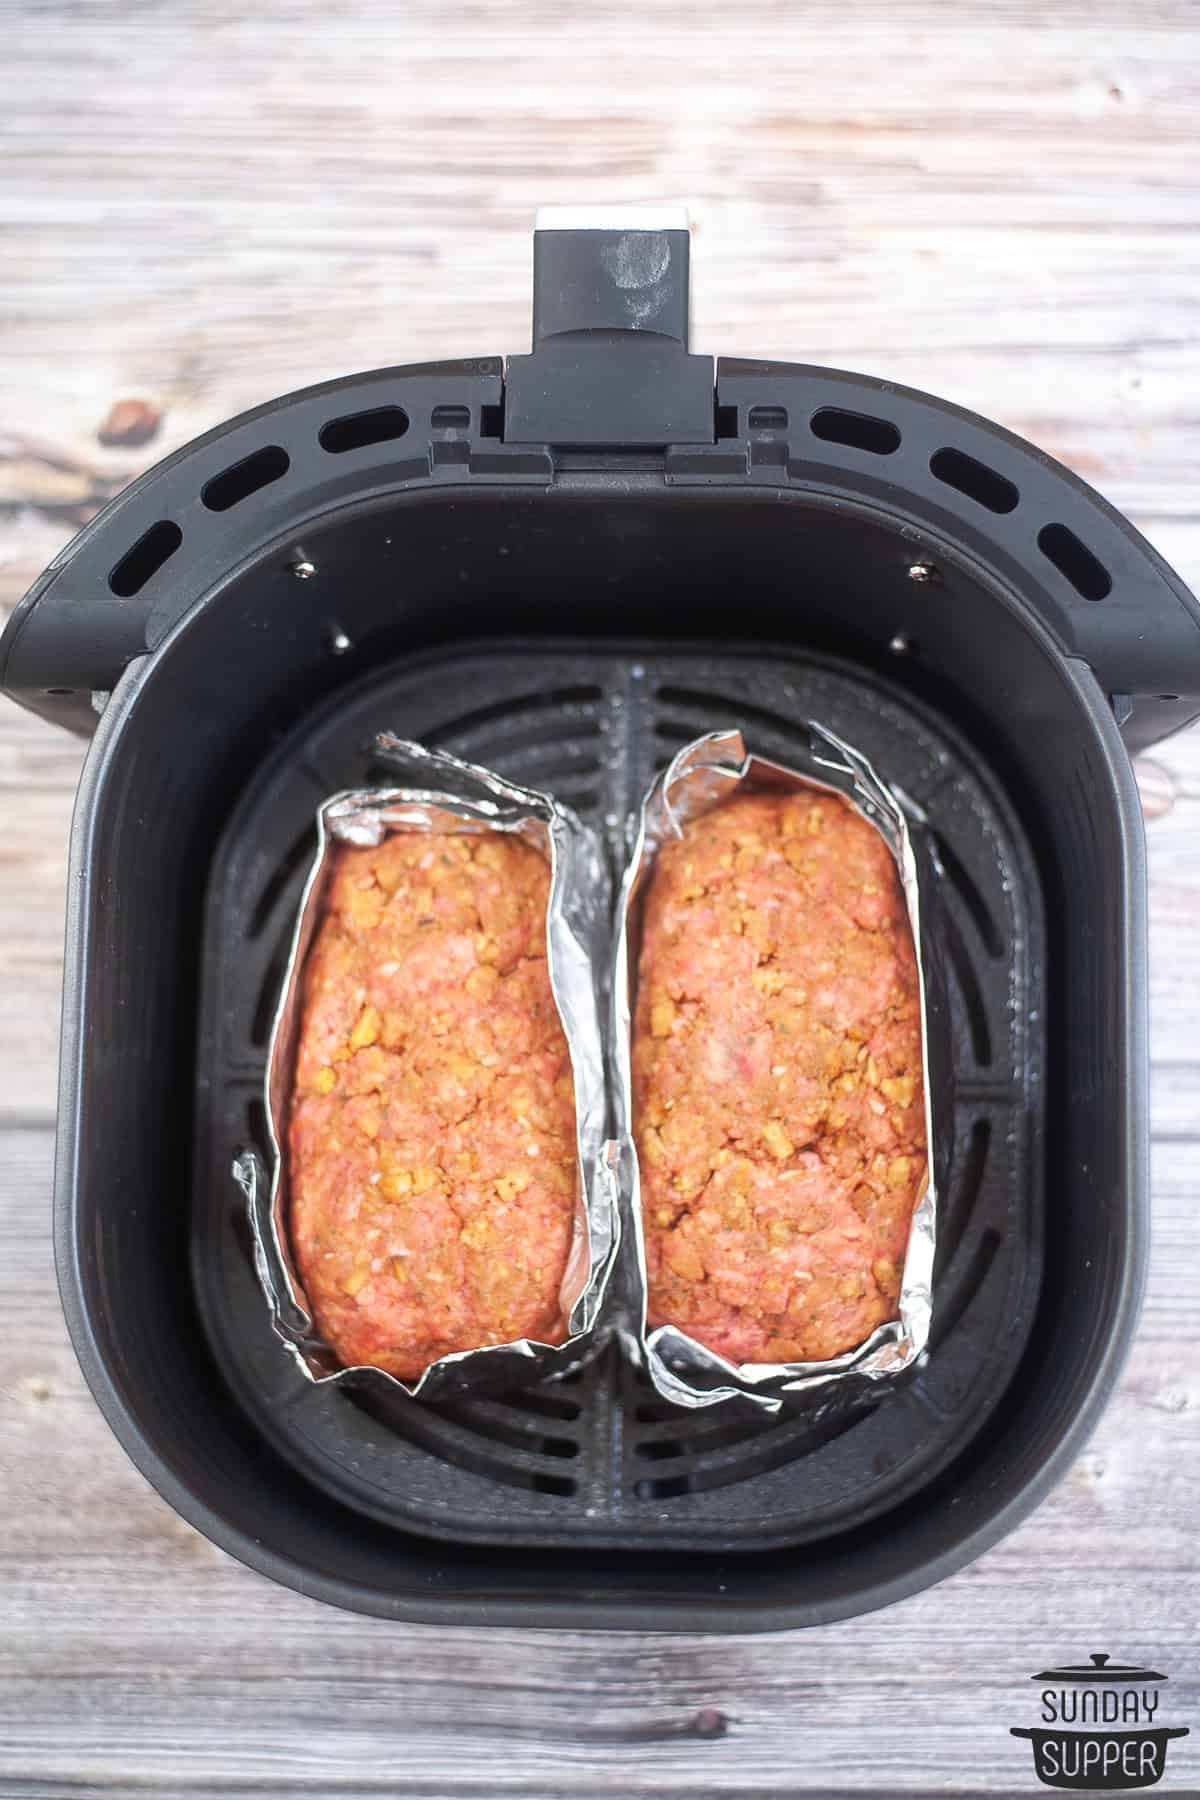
(922, 571)
(304, 569)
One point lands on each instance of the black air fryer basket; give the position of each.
(566, 568)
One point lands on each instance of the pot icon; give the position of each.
(1097, 1727)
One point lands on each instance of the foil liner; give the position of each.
(702, 775)
(455, 796)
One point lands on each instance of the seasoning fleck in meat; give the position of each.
(432, 1158)
(778, 1090)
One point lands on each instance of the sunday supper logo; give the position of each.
(1098, 1726)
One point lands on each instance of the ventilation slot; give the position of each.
(965, 1184)
(543, 1404)
(973, 1002)
(975, 480)
(768, 418)
(300, 852)
(552, 1484)
(550, 706)
(145, 559)
(971, 898)
(450, 418)
(761, 1452)
(381, 425)
(948, 1316)
(859, 430)
(452, 1432)
(581, 799)
(256, 1125)
(655, 1412)
(501, 1428)
(668, 1489)
(268, 993)
(725, 421)
(233, 485)
(661, 1449)
(1074, 560)
(709, 708)
(554, 1446)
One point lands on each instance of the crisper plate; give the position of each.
(599, 1458)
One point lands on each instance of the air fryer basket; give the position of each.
(546, 1465)
(568, 573)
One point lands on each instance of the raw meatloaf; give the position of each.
(432, 1158)
(779, 1106)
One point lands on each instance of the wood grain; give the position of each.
(206, 205)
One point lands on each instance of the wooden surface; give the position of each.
(206, 204)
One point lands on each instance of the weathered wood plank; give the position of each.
(208, 205)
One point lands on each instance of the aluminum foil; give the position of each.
(700, 777)
(454, 796)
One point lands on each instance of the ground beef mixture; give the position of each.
(778, 1095)
(432, 1159)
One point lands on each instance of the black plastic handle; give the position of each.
(610, 362)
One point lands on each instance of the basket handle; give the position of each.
(610, 362)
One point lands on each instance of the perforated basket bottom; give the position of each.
(599, 1459)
